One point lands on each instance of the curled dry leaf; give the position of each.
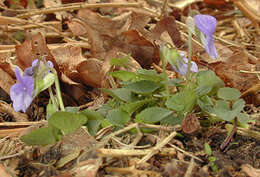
(167, 24)
(141, 49)
(90, 72)
(190, 124)
(68, 58)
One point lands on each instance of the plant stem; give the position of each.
(230, 136)
(52, 97)
(189, 55)
(57, 85)
(165, 78)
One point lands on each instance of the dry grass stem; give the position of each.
(157, 148)
(135, 152)
(77, 7)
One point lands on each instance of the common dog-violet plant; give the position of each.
(144, 96)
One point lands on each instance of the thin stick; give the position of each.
(11, 156)
(77, 7)
(186, 153)
(157, 148)
(190, 168)
(132, 152)
(230, 136)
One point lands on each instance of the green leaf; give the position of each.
(152, 115)
(224, 111)
(238, 106)
(206, 104)
(170, 55)
(121, 94)
(72, 109)
(120, 61)
(124, 75)
(175, 82)
(243, 119)
(134, 106)
(118, 117)
(208, 79)
(173, 119)
(212, 159)
(92, 115)
(143, 87)
(67, 122)
(182, 101)
(42, 84)
(150, 75)
(229, 94)
(207, 149)
(93, 126)
(42, 136)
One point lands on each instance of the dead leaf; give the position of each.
(105, 25)
(6, 81)
(32, 49)
(168, 24)
(190, 124)
(76, 28)
(68, 58)
(250, 171)
(90, 72)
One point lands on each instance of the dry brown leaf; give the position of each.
(32, 49)
(229, 72)
(141, 49)
(68, 58)
(250, 171)
(190, 124)
(90, 72)
(6, 81)
(76, 28)
(167, 24)
(105, 25)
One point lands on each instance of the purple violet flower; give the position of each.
(183, 65)
(29, 71)
(207, 25)
(21, 93)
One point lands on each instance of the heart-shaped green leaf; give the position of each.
(121, 94)
(67, 122)
(143, 87)
(42, 136)
(118, 117)
(182, 101)
(152, 115)
(229, 94)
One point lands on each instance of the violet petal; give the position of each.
(205, 23)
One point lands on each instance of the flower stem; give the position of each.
(189, 55)
(52, 97)
(166, 79)
(57, 85)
